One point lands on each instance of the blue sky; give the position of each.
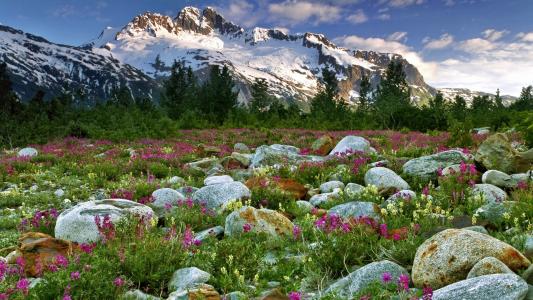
(477, 44)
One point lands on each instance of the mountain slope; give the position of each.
(450, 93)
(35, 63)
(290, 63)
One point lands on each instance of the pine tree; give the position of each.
(437, 108)
(364, 93)
(121, 97)
(261, 100)
(324, 104)
(498, 101)
(9, 103)
(179, 91)
(217, 95)
(393, 96)
(525, 101)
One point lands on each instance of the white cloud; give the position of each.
(397, 36)
(444, 41)
(240, 12)
(283, 29)
(449, 2)
(476, 45)
(384, 17)
(525, 37)
(494, 35)
(293, 12)
(358, 17)
(405, 3)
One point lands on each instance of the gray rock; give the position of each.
(384, 178)
(353, 189)
(499, 179)
(426, 167)
(306, 206)
(321, 199)
(328, 187)
(488, 265)
(481, 130)
(59, 193)
(166, 196)
(187, 191)
(528, 275)
(403, 195)
(244, 159)
(352, 144)
(235, 296)
(176, 180)
(528, 246)
(529, 295)
(185, 278)
(27, 152)
(196, 291)
(217, 179)
(449, 255)
(381, 163)
(355, 209)
(450, 170)
(479, 229)
(218, 195)
(241, 148)
(209, 233)
(280, 154)
(138, 295)
(495, 286)
(493, 212)
(360, 279)
(491, 193)
(259, 221)
(77, 224)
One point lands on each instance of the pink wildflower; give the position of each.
(23, 285)
(403, 282)
(386, 277)
(296, 231)
(118, 282)
(295, 296)
(246, 227)
(75, 275)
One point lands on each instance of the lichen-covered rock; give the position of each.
(323, 145)
(241, 148)
(321, 199)
(499, 179)
(355, 209)
(280, 154)
(495, 286)
(289, 186)
(360, 279)
(352, 144)
(185, 278)
(403, 195)
(487, 266)
(166, 196)
(353, 189)
(218, 195)
(385, 179)
(328, 187)
(491, 193)
(448, 256)
(257, 220)
(426, 167)
(497, 153)
(27, 152)
(196, 292)
(77, 224)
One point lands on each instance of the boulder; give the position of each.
(494, 286)
(185, 278)
(218, 195)
(355, 209)
(497, 153)
(166, 196)
(323, 145)
(491, 193)
(385, 179)
(528, 246)
(426, 167)
(259, 221)
(321, 199)
(328, 187)
(196, 292)
(449, 255)
(403, 195)
(217, 179)
(27, 152)
(214, 232)
(280, 154)
(138, 295)
(289, 186)
(360, 279)
(77, 224)
(487, 266)
(241, 148)
(352, 144)
(499, 179)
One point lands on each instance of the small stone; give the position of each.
(166, 196)
(385, 179)
(217, 179)
(185, 278)
(499, 179)
(305, 206)
(491, 193)
(138, 295)
(355, 210)
(321, 199)
(59, 193)
(488, 265)
(176, 180)
(218, 195)
(214, 232)
(328, 187)
(353, 189)
(241, 148)
(27, 152)
(352, 144)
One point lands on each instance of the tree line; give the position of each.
(188, 102)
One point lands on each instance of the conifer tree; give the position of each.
(9, 103)
(393, 96)
(261, 100)
(179, 91)
(437, 107)
(364, 93)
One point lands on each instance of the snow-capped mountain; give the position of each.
(37, 64)
(450, 94)
(291, 63)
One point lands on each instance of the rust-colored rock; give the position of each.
(449, 255)
(323, 145)
(204, 292)
(39, 250)
(275, 295)
(292, 187)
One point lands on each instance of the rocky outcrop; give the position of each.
(497, 153)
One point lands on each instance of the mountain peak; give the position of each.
(152, 24)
